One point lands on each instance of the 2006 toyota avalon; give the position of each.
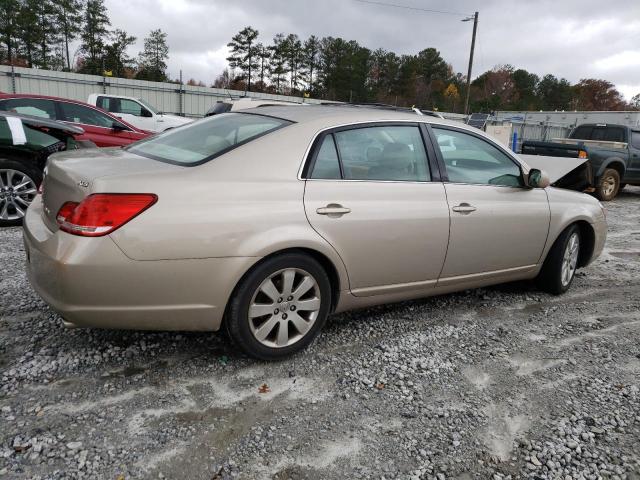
(267, 221)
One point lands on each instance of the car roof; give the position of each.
(44, 97)
(328, 115)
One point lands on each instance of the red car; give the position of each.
(99, 126)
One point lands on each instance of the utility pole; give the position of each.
(473, 45)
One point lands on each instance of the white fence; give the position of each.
(166, 97)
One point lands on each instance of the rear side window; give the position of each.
(36, 107)
(635, 140)
(582, 133)
(388, 153)
(326, 164)
(203, 140)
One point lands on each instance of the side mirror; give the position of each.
(118, 127)
(146, 113)
(538, 179)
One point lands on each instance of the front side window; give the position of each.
(205, 139)
(470, 159)
(130, 107)
(36, 107)
(72, 112)
(392, 153)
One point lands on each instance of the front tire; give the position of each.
(561, 263)
(608, 185)
(279, 307)
(18, 188)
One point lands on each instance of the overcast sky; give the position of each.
(569, 38)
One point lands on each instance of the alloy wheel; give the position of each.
(17, 191)
(284, 307)
(609, 185)
(570, 259)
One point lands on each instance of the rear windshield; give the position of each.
(205, 139)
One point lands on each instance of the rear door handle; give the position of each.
(333, 210)
(464, 208)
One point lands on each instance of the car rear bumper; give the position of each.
(91, 283)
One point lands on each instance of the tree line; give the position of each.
(339, 69)
(39, 34)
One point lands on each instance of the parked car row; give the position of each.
(267, 220)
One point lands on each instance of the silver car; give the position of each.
(268, 220)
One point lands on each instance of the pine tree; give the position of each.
(116, 58)
(69, 20)
(94, 32)
(263, 54)
(26, 22)
(46, 30)
(277, 67)
(152, 62)
(309, 61)
(293, 54)
(244, 52)
(9, 28)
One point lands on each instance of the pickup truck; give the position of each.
(612, 150)
(137, 112)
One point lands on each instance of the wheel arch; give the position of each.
(587, 241)
(327, 264)
(614, 163)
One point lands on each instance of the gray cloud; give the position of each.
(569, 38)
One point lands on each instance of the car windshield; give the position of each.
(203, 140)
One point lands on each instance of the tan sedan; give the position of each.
(267, 221)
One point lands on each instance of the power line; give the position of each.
(407, 7)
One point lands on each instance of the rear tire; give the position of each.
(561, 263)
(608, 185)
(279, 307)
(18, 188)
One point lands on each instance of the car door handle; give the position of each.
(333, 209)
(464, 208)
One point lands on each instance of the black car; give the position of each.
(25, 144)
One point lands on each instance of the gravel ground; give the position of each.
(500, 383)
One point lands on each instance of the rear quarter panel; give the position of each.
(245, 203)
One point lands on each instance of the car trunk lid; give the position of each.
(70, 176)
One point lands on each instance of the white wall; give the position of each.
(164, 96)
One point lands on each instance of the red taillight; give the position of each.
(101, 213)
(65, 211)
